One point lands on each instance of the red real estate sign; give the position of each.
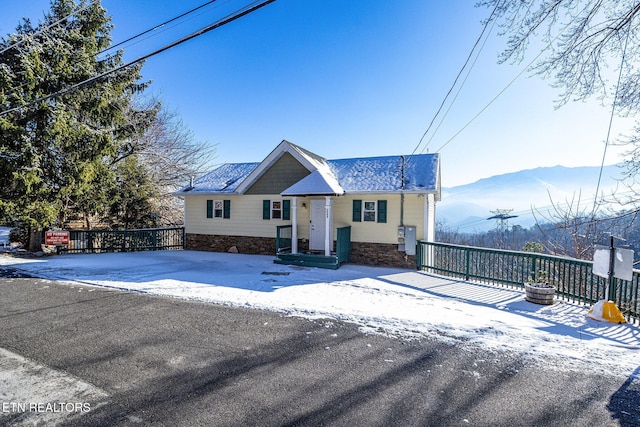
(57, 238)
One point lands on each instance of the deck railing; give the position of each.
(283, 238)
(573, 279)
(343, 244)
(149, 239)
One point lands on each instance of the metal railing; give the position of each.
(283, 238)
(343, 244)
(150, 239)
(343, 241)
(573, 279)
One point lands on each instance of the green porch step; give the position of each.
(308, 260)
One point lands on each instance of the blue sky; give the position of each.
(351, 79)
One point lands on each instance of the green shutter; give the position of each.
(382, 211)
(286, 210)
(357, 210)
(209, 208)
(226, 213)
(266, 209)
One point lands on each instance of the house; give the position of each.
(381, 204)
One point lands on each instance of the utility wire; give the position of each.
(15, 89)
(506, 87)
(75, 12)
(156, 27)
(217, 24)
(455, 81)
(541, 210)
(433, 134)
(613, 109)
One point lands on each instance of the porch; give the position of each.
(286, 254)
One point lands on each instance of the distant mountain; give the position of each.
(467, 207)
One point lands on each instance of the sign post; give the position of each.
(611, 263)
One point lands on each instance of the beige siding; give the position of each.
(246, 216)
(373, 232)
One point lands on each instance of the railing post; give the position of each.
(534, 266)
(467, 264)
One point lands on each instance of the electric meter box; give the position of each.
(410, 240)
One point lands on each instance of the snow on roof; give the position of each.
(223, 179)
(385, 173)
(316, 183)
(358, 175)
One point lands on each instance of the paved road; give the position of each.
(178, 363)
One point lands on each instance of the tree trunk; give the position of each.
(36, 239)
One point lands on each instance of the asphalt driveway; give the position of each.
(162, 361)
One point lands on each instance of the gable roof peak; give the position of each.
(307, 159)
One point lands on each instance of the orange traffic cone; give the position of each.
(606, 311)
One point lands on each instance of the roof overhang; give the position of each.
(317, 183)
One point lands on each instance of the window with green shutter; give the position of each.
(276, 209)
(219, 209)
(369, 211)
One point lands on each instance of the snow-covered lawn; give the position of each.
(403, 303)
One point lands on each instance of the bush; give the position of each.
(18, 235)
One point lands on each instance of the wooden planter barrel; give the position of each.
(539, 293)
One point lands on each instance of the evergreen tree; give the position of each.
(59, 155)
(132, 199)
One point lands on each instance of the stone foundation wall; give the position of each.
(243, 244)
(380, 254)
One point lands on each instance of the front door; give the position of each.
(318, 225)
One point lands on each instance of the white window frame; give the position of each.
(218, 209)
(273, 209)
(365, 211)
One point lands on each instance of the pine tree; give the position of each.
(59, 155)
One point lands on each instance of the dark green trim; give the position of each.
(382, 211)
(209, 208)
(286, 210)
(226, 212)
(266, 209)
(357, 211)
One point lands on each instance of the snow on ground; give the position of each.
(402, 303)
(4, 235)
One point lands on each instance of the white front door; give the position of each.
(320, 229)
(318, 225)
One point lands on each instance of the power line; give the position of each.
(15, 89)
(506, 87)
(613, 109)
(156, 27)
(75, 12)
(217, 24)
(455, 81)
(459, 89)
(539, 209)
